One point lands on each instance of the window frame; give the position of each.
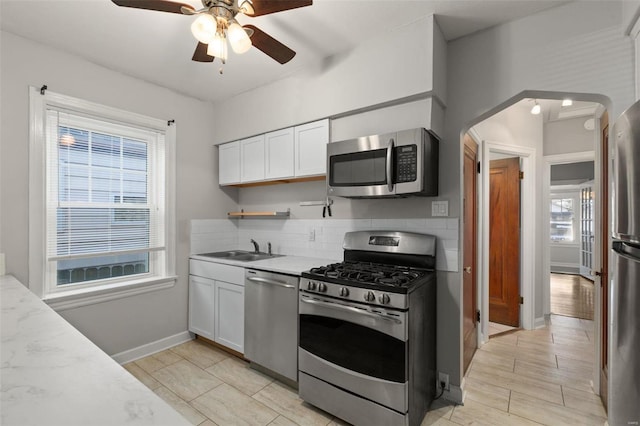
(162, 274)
(574, 195)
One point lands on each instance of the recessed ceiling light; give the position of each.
(567, 102)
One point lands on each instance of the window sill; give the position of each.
(70, 299)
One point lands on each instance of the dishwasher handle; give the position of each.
(261, 280)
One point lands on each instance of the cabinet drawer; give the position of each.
(217, 271)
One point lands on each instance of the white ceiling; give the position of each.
(157, 47)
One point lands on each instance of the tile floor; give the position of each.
(210, 387)
(529, 378)
(521, 378)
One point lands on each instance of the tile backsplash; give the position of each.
(317, 237)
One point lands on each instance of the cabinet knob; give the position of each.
(467, 269)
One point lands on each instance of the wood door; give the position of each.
(469, 280)
(504, 242)
(604, 272)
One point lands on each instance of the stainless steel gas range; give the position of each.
(367, 330)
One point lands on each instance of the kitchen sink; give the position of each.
(241, 255)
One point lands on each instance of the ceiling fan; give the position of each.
(215, 23)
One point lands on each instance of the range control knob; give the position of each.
(344, 292)
(311, 286)
(322, 287)
(369, 296)
(384, 299)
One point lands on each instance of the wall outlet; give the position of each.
(312, 235)
(440, 208)
(443, 378)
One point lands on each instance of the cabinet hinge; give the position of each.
(521, 300)
(478, 315)
(521, 175)
(478, 167)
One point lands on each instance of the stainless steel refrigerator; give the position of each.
(624, 296)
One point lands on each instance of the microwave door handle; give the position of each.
(390, 164)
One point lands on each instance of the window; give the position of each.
(563, 219)
(104, 215)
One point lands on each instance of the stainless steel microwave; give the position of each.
(396, 164)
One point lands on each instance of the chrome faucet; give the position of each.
(269, 248)
(256, 247)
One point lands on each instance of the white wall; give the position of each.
(566, 136)
(121, 324)
(395, 66)
(576, 48)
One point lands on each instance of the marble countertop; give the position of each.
(53, 375)
(292, 265)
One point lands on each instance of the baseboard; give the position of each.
(564, 268)
(152, 348)
(539, 322)
(455, 393)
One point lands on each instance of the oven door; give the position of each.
(356, 347)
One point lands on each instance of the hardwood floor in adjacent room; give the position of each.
(572, 295)
(529, 377)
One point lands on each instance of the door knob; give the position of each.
(467, 269)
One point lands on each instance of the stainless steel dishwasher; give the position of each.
(271, 322)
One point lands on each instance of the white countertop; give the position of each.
(53, 375)
(292, 265)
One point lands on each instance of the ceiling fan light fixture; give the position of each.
(536, 108)
(218, 47)
(238, 38)
(204, 27)
(247, 8)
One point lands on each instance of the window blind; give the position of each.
(105, 192)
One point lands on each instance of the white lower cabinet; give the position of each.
(201, 302)
(229, 315)
(216, 307)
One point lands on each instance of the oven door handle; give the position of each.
(390, 164)
(352, 309)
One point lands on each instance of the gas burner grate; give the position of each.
(368, 272)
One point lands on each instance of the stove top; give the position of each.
(382, 266)
(369, 273)
(376, 276)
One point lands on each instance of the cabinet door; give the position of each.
(252, 159)
(201, 306)
(229, 163)
(311, 148)
(279, 154)
(229, 317)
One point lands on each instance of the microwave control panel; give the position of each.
(406, 163)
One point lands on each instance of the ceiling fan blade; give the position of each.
(200, 55)
(159, 5)
(270, 46)
(265, 7)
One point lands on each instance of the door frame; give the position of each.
(550, 160)
(527, 234)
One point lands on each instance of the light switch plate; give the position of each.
(440, 208)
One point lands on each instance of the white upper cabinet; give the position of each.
(290, 153)
(311, 148)
(279, 154)
(229, 163)
(252, 159)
